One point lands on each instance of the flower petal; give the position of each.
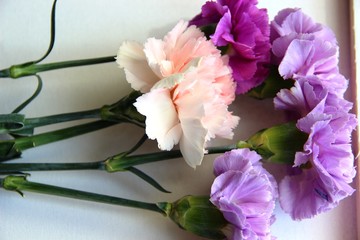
(131, 57)
(192, 142)
(162, 122)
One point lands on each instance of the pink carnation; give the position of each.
(187, 88)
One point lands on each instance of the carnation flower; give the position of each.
(187, 88)
(291, 24)
(325, 167)
(309, 57)
(245, 192)
(243, 28)
(305, 49)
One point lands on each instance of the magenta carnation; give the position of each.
(245, 192)
(244, 28)
(326, 165)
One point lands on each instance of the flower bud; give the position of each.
(277, 144)
(198, 215)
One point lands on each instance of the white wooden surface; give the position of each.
(88, 29)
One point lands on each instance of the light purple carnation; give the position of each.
(308, 93)
(243, 27)
(245, 192)
(309, 57)
(291, 24)
(305, 49)
(300, 99)
(326, 164)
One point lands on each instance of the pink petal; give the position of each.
(154, 51)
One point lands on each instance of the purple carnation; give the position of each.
(300, 99)
(245, 192)
(245, 29)
(305, 49)
(308, 93)
(291, 24)
(326, 164)
(309, 57)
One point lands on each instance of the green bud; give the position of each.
(12, 183)
(277, 144)
(198, 215)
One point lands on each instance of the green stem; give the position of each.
(59, 118)
(17, 124)
(121, 111)
(53, 136)
(119, 162)
(32, 68)
(195, 214)
(122, 161)
(10, 149)
(5, 73)
(28, 167)
(20, 184)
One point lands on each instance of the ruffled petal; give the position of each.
(192, 142)
(162, 122)
(132, 58)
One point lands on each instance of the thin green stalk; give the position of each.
(20, 184)
(32, 68)
(121, 111)
(195, 214)
(52, 33)
(29, 167)
(53, 136)
(5, 73)
(7, 168)
(122, 161)
(17, 124)
(32, 97)
(59, 118)
(10, 149)
(119, 162)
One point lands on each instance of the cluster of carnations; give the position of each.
(189, 78)
(188, 84)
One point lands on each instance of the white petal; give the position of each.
(192, 142)
(132, 58)
(154, 51)
(162, 122)
(170, 81)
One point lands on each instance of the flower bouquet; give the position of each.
(227, 118)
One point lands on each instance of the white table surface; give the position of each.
(87, 29)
